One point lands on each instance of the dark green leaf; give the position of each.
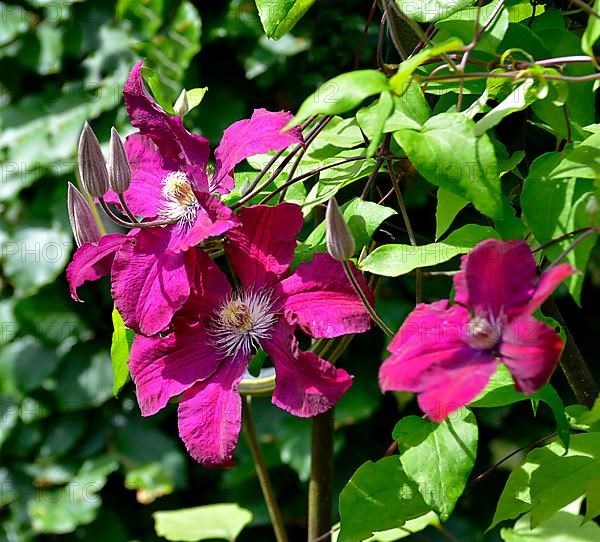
(379, 496)
(438, 457)
(550, 478)
(122, 339)
(342, 93)
(363, 219)
(447, 152)
(220, 521)
(278, 17)
(395, 260)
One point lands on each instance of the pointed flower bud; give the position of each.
(340, 243)
(182, 105)
(119, 172)
(92, 167)
(85, 229)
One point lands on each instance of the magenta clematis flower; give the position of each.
(152, 271)
(215, 333)
(447, 353)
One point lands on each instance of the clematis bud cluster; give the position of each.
(95, 176)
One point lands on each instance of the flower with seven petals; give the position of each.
(153, 268)
(447, 353)
(214, 335)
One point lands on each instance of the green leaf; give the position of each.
(395, 260)
(426, 11)
(592, 31)
(379, 496)
(62, 510)
(592, 503)
(170, 49)
(561, 527)
(380, 113)
(84, 379)
(588, 417)
(278, 17)
(140, 445)
(582, 162)
(122, 340)
(341, 94)
(448, 206)
(15, 21)
(62, 435)
(554, 206)
(34, 256)
(195, 96)
(399, 80)
(8, 419)
(363, 219)
(410, 527)
(520, 98)
(410, 110)
(340, 133)
(24, 365)
(447, 152)
(461, 24)
(221, 521)
(438, 457)
(501, 391)
(150, 481)
(334, 179)
(550, 478)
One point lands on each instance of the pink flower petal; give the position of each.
(213, 218)
(452, 387)
(149, 168)
(209, 288)
(530, 349)
(210, 415)
(189, 150)
(305, 384)
(321, 300)
(164, 367)
(92, 261)
(429, 343)
(259, 134)
(150, 284)
(431, 358)
(549, 281)
(262, 249)
(496, 276)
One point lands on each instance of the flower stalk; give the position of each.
(320, 486)
(365, 301)
(262, 472)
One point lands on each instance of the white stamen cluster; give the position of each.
(241, 321)
(485, 332)
(179, 201)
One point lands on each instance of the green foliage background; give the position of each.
(77, 463)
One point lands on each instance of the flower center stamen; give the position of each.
(179, 201)
(242, 321)
(483, 334)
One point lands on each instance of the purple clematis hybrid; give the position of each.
(152, 268)
(447, 353)
(216, 332)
